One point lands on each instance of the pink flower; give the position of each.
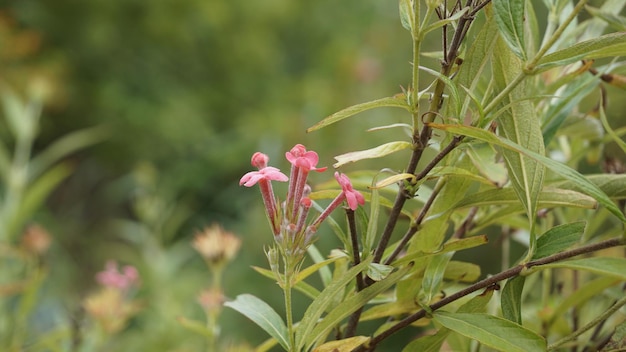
(112, 277)
(349, 194)
(353, 197)
(263, 177)
(302, 162)
(268, 173)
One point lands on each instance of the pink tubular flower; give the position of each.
(354, 198)
(302, 162)
(349, 194)
(263, 177)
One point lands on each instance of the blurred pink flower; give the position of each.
(112, 277)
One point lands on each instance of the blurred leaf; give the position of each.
(559, 238)
(195, 326)
(620, 142)
(325, 298)
(438, 24)
(616, 21)
(564, 171)
(397, 101)
(380, 151)
(511, 299)
(608, 45)
(37, 193)
(5, 162)
(584, 293)
(20, 118)
(510, 16)
(494, 332)
(432, 343)
(349, 306)
(378, 272)
(66, 145)
(610, 266)
(263, 315)
(344, 345)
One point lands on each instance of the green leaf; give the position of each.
(585, 186)
(461, 271)
(433, 276)
(378, 272)
(347, 307)
(344, 345)
(520, 124)
(263, 315)
(451, 246)
(549, 198)
(608, 45)
(397, 101)
(66, 145)
(406, 15)
(432, 343)
(559, 238)
(300, 286)
(614, 185)
(614, 20)
(380, 151)
(509, 16)
(325, 298)
(620, 142)
(491, 331)
(609, 266)
(195, 326)
(511, 299)
(393, 179)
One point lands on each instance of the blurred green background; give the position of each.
(188, 90)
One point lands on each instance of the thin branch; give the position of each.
(354, 318)
(507, 274)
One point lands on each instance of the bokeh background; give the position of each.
(185, 91)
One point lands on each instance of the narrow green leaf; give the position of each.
(438, 24)
(495, 332)
(559, 238)
(349, 306)
(549, 198)
(372, 225)
(325, 298)
(263, 315)
(620, 142)
(380, 151)
(608, 45)
(461, 271)
(614, 185)
(397, 101)
(520, 124)
(392, 180)
(511, 299)
(585, 186)
(610, 266)
(614, 20)
(509, 16)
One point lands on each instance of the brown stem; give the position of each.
(507, 274)
(354, 318)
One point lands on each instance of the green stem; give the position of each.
(287, 288)
(619, 304)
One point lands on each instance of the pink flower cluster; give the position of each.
(288, 221)
(113, 278)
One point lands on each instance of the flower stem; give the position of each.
(287, 288)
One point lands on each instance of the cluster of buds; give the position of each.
(289, 219)
(216, 245)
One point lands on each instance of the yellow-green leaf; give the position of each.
(377, 152)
